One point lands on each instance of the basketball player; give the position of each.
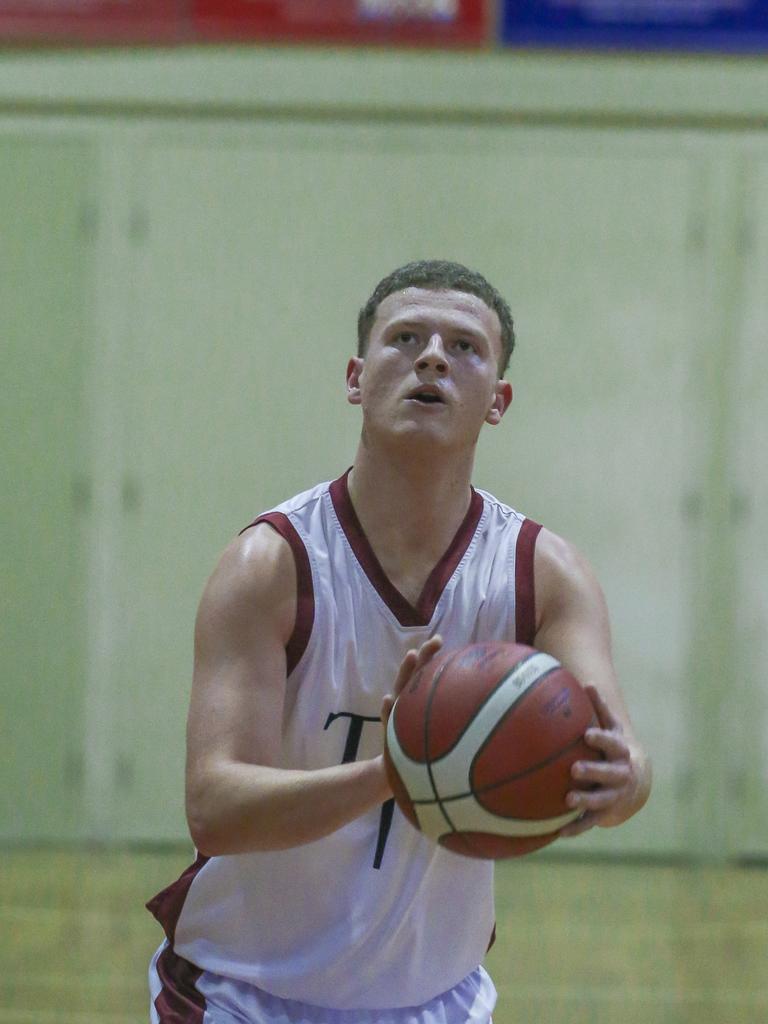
(312, 899)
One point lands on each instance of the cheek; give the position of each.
(376, 391)
(381, 378)
(482, 392)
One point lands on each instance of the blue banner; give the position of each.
(724, 25)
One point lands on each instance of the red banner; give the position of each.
(417, 22)
(91, 21)
(411, 22)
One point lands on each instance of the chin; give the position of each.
(418, 438)
(429, 432)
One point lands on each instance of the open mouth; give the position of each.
(426, 397)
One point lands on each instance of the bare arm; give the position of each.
(238, 796)
(573, 626)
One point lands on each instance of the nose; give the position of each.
(433, 357)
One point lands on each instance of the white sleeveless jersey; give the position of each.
(373, 915)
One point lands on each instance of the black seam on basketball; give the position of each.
(428, 759)
(512, 778)
(528, 771)
(497, 687)
(462, 837)
(531, 689)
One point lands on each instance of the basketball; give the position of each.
(479, 748)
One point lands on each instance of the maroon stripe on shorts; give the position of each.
(179, 1001)
(525, 597)
(305, 595)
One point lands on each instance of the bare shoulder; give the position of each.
(573, 625)
(566, 584)
(572, 617)
(255, 579)
(244, 621)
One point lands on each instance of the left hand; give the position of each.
(614, 776)
(413, 662)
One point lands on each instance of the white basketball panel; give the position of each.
(413, 774)
(466, 815)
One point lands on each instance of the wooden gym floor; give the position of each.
(578, 943)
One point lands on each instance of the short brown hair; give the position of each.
(440, 275)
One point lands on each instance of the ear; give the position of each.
(501, 402)
(354, 370)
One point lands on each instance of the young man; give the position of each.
(312, 899)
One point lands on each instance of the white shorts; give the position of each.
(183, 994)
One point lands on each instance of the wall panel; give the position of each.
(45, 292)
(252, 255)
(239, 229)
(745, 695)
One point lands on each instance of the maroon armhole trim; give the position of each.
(525, 596)
(305, 595)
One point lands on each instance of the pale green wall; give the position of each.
(44, 298)
(498, 86)
(232, 208)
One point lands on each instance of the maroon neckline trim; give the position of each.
(406, 614)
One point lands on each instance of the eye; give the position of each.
(465, 346)
(406, 337)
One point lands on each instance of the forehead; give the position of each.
(460, 310)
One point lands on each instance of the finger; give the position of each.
(611, 744)
(414, 661)
(428, 649)
(602, 773)
(386, 709)
(593, 799)
(605, 716)
(577, 827)
(406, 670)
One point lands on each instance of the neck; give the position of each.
(409, 503)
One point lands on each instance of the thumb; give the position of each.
(386, 709)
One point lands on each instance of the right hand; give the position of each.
(413, 662)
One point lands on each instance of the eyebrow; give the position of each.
(455, 328)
